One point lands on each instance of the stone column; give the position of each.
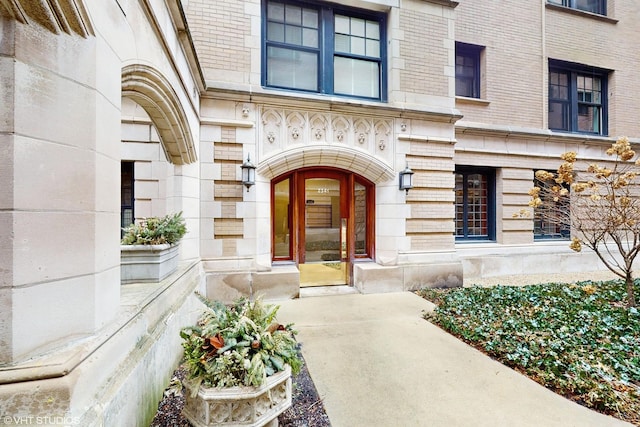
(59, 188)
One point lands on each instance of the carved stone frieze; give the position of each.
(281, 129)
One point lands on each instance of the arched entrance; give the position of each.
(323, 220)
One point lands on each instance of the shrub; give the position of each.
(155, 231)
(238, 345)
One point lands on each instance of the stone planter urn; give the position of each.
(147, 263)
(240, 406)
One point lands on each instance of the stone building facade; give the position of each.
(160, 103)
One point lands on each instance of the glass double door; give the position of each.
(323, 221)
(324, 257)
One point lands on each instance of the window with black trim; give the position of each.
(468, 70)
(324, 48)
(593, 6)
(551, 220)
(475, 203)
(127, 195)
(577, 98)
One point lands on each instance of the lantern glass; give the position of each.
(406, 179)
(248, 173)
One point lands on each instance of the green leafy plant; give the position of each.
(155, 231)
(577, 339)
(238, 345)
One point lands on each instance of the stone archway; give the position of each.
(344, 157)
(151, 90)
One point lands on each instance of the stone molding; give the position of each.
(149, 88)
(346, 158)
(69, 16)
(500, 131)
(273, 98)
(64, 361)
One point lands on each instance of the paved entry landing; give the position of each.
(376, 362)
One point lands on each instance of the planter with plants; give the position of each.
(239, 362)
(149, 248)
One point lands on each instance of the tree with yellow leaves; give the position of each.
(604, 211)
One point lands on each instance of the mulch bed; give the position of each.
(306, 410)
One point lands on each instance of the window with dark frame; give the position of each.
(551, 219)
(577, 98)
(594, 6)
(127, 198)
(468, 70)
(474, 203)
(324, 48)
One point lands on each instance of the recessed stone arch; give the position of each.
(153, 92)
(342, 157)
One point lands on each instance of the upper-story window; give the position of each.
(468, 70)
(577, 98)
(593, 6)
(323, 48)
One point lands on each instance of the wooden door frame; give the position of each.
(296, 213)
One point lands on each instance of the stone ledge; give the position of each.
(96, 382)
(375, 278)
(134, 299)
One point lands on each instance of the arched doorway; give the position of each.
(323, 220)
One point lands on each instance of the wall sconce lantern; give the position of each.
(406, 179)
(248, 173)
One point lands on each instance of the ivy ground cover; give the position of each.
(578, 339)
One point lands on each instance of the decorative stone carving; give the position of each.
(245, 111)
(403, 127)
(383, 132)
(295, 123)
(340, 128)
(383, 127)
(271, 124)
(239, 406)
(362, 129)
(318, 125)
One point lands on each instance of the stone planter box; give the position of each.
(147, 263)
(240, 406)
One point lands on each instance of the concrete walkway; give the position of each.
(376, 362)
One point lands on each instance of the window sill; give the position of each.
(472, 101)
(586, 135)
(579, 12)
(474, 241)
